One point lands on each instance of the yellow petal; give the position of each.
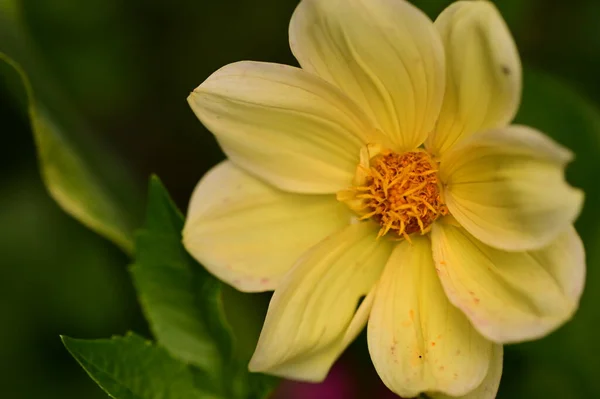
(384, 54)
(418, 341)
(248, 233)
(288, 127)
(483, 73)
(510, 296)
(507, 188)
(489, 387)
(313, 314)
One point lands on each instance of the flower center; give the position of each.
(399, 191)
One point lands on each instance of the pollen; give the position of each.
(400, 191)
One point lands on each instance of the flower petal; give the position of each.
(418, 341)
(286, 126)
(248, 233)
(507, 188)
(483, 73)
(510, 296)
(489, 387)
(313, 314)
(384, 54)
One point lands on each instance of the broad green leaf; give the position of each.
(133, 368)
(170, 287)
(86, 179)
(184, 304)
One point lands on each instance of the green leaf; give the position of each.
(133, 368)
(184, 303)
(170, 285)
(85, 178)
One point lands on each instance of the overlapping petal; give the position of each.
(313, 314)
(384, 54)
(510, 296)
(489, 386)
(285, 125)
(418, 341)
(483, 73)
(507, 188)
(248, 233)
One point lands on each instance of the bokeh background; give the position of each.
(127, 67)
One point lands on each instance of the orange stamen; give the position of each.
(402, 193)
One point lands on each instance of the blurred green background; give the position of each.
(127, 67)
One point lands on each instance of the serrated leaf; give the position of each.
(183, 303)
(84, 178)
(133, 368)
(169, 284)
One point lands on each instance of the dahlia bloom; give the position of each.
(382, 184)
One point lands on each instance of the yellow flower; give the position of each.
(382, 184)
